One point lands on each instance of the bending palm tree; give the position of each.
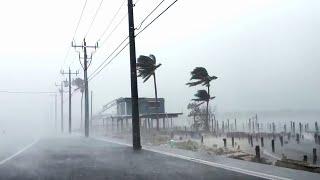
(146, 67)
(80, 86)
(202, 96)
(200, 76)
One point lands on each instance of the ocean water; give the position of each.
(265, 118)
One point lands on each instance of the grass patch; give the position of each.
(187, 145)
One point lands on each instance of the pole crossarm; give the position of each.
(85, 66)
(69, 73)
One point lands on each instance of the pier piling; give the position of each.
(272, 145)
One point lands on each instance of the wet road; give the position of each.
(80, 158)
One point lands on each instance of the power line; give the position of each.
(94, 17)
(108, 56)
(113, 30)
(156, 17)
(65, 57)
(97, 69)
(74, 34)
(112, 19)
(149, 15)
(27, 92)
(75, 31)
(104, 65)
(109, 61)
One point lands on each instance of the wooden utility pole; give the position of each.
(85, 66)
(61, 104)
(69, 83)
(134, 87)
(55, 112)
(91, 110)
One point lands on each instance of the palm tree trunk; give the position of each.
(194, 121)
(207, 118)
(156, 96)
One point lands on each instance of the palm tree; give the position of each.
(80, 86)
(146, 67)
(199, 75)
(202, 96)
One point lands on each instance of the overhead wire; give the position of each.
(109, 56)
(139, 26)
(103, 65)
(157, 17)
(94, 17)
(83, 8)
(27, 92)
(112, 19)
(109, 35)
(74, 34)
(116, 26)
(113, 30)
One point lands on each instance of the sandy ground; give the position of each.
(292, 149)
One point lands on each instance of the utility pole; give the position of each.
(134, 87)
(55, 112)
(91, 110)
(61, 103)
(69, 73)
(85, 66)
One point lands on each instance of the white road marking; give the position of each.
(200, 161)
(19, 152)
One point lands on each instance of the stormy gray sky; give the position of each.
(265, 53)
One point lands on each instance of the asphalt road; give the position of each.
(80, 158)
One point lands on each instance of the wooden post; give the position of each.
(158, 125)
(300, 128)
(262, 143)
(112, 123)
(145, 124)
(314, 153)
(117, 124)
(272, 145)
(164, 123)
(121, 124)
(232, 141)
(127, 123)
(281, 140)
(258, 153)
(225, 142)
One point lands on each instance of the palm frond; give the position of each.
(201, 95)
(146, 66)
(199, 75)
(146, 78)
(190, 84)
